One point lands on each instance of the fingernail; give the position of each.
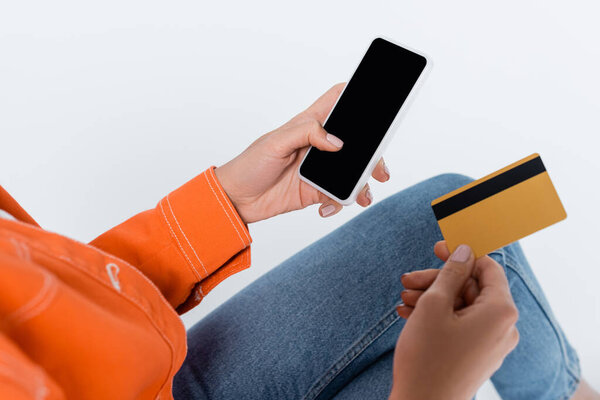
(402, 277)
(406, 273)
(461, 254)
(386, 169)
(369, 195)
(336, 141)
(327, 210)
(399, 307)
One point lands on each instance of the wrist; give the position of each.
(221, 173)
(222, 179)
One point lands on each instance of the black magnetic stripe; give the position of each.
(489, 188)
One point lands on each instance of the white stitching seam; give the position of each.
(37, 303)
(224, 210)
(26, 254)
(21, 249)
(41, 307)
(235, 214)
(178, 243)
(184, 235)
(16, 244)
(7, 369)
(147, 313)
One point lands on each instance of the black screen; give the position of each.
(363, 115)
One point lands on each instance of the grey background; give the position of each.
(107, 106)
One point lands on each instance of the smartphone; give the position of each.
(364, 117)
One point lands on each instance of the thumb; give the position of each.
(307, 133)
(454, 274)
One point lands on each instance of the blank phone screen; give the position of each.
(363, 115)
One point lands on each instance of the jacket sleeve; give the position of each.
(190, 242)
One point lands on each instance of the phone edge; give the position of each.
(390, 133)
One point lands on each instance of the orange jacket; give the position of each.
(99, 320)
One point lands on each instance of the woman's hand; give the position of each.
(263, 182)
(415, 284)
(449, 347)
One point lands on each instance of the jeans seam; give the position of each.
(351, 354)
(510, 262)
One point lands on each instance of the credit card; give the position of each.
(500, 208)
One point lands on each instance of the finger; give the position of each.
(441, 250)
(381, 171)
(471, 291)
(365, 197)
(452, 277)
(459, 303)
(404, 311)
(419, 279)
(308, 133)
(491, 279)
(320, 109)
(329, 208)
(410, 297)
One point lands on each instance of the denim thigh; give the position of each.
(324, 320)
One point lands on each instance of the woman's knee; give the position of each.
(414, 202)
(405, 220)
(442, 184)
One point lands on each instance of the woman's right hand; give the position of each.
(458, 333)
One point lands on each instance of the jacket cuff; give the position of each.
(207, 231)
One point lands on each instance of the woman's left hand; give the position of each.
(263, 181)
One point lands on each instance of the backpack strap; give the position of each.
(10, 205)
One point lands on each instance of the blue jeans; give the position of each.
(323, 325)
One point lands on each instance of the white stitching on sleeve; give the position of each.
(185, 236)
(178, 243)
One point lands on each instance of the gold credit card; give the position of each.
(500, 208)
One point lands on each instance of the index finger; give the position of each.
(320, 109)
(419, 279)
